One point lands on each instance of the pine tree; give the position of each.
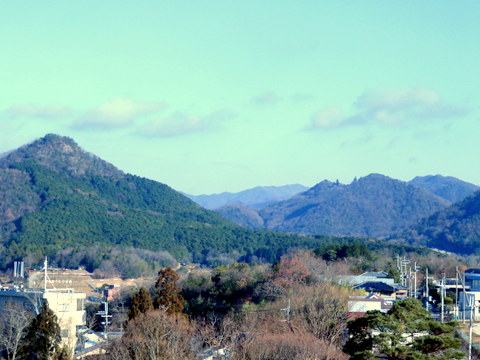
(167, 292)
(141, 302)
(42, 336)
(407, 331)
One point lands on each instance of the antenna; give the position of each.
(46, 279)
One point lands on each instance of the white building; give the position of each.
(68, 306)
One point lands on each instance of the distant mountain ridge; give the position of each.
(256, 197)
(372, 206)
(447, 187)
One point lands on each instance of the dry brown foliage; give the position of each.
(288, 346)
(155, 335)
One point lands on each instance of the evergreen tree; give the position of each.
(141, 303)
(167, 292)
(407, 331)
(42, 336)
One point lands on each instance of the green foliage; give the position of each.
(127, 211)
(334, 252)
(225, 289)
(42, 336)
(141, 303)
(455, 229)
(167, 292)
(407, 331)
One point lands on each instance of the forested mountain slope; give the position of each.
(373, 206)
(455, 229)
(54, 195)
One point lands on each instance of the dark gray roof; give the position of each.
(379, 286)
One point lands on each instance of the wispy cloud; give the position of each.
(326, 119)
(181, 123)
(37, 111)
(268, 98)
(397, 106)
(117, 113)
(391, 106)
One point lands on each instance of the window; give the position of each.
(64, 333)
(63, 307)
(80, 304)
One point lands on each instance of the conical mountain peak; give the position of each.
(60, 153)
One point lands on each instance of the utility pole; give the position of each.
(426, 289)
(287, 312)
(104, 314)
(442, 297)
(456, 292)
(471, 303)
(415, 281)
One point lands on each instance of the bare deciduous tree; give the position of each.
(155, 335)
(13, 321)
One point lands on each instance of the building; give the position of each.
(381, 288)
(377, 276)
(79, 280)
(359, 305)
(68, 306)
(469, 301)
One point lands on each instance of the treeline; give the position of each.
(128, 211)
(256, 311)
(292, 309)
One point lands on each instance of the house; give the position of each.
(359, 305)
(381, 288)
(352, 280)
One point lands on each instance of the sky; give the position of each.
(214, 95)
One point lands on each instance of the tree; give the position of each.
(42, 336)
(407, 331)
(13, 321)
(141, 303)
(155, 335)
(167, 292)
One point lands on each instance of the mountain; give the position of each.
(447, 187)
(55, 196)
(373, 206)
(257, 197)
(455, 229)
(242, 215)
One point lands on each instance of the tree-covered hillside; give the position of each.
(54, 196)
(372, 206)
(455, 229)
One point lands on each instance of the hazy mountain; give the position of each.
(257, 197)
(447, 187)
(54, 195)
(242, 215)
(455, 229)
(373, 206)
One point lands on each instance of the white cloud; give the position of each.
(117, 113)
(37, 111)
(326, 119)
(390, 106)
(181, 123)
(396, 106)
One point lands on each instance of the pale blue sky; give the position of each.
(211, 96)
